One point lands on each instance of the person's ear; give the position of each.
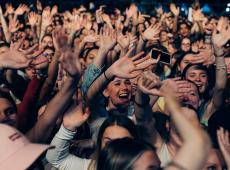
(106, 93)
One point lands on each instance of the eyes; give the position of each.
(9, 111)
(118, 83)
(195, 75)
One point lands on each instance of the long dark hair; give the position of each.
(121, 121)
(112, 120)
(121, 154)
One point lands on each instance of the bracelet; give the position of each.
(221, 67)
(106, 76)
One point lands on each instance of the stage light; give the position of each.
(227, 9)
(228, 4)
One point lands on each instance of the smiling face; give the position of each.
(185, 44)
(199, 77)
(118, 92)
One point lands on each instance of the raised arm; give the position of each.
(224, 144)
(125, 67)
(195, 141)
(56, 107)
(4, 26)
(60, 156)
(219, 38)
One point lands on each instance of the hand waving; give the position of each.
(175, 10)
(224, 144)
(149, 83)
(221, 34)
(151, 33)
(108, 38)
(75, 117)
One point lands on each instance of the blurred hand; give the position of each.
(149, 83)
(75, 117)
(151, 33)
(221, 34)
(175, 10)
(108, 38)
(224, 144)
(21, 9)
(33, 18)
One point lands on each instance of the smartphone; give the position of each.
(164, 57)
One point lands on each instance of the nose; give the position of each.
(197, 79)
(123, 86)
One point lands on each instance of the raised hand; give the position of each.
(131, 11)
(9, 9)
(106, 18)
(54, 10)
(21, 9)
(159, 11)
(130, 67)
(224, 144)
(175, 10)
(71, 64)
(39, 5)
(60, 40)
(205, 56)
(108, 38)
(126, 67)
(123, 40)
(91, 38)
(14, 25)
(46, 17)
(151, 33)
(33, 18)
(197, 15)
(149, 83)
(75, 117)
(13, 58)
(221, 34)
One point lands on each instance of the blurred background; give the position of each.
(146, 6)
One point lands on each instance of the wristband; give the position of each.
(106, 76)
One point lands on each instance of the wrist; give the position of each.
(109, 74)
(143, 38)
(69, 127)
(219, 52)
(103, 51)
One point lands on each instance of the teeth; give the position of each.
(124, 95)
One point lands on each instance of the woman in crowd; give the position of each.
(101, 59)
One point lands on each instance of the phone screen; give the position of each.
(164, 57)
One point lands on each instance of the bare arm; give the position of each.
(5, 26)
(219, 40)
(194, 138)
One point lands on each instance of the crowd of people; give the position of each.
(98, 88)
